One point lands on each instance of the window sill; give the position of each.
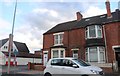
(94, 38)
(58, 44)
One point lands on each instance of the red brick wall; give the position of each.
(72, 39)
(47, 43)
(76, 39)
(112, 39)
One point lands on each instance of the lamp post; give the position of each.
(10, 46)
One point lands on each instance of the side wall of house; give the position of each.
(112, 39)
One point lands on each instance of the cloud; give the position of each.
(94, 11)
(4, 28)
(59, 0)
(4, 24)
(45, 16)
(29, 35)
(41, 19)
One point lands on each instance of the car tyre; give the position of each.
(85, 75)
(47, 74)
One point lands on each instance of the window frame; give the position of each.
(87, 32)
(87, 54)
(58, 41)
(73, 52)
(59, 52)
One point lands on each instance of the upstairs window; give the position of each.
(58, 38)
(5, 47)
(94, 31)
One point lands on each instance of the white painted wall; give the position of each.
(24, 61)
(2, 58)
(6, 44)
(20, 61)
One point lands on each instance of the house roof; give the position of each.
(22, 47)
(23, 55)
(100, 19)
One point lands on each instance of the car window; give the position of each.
(81, 62)
(68, 63)
(57, 62)
(62, 62)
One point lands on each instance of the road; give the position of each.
(23, 71)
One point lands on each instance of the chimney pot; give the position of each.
(79, 16)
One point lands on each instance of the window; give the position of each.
(5, 47)
(94, 31)
(62, 53)
(58, 39)
(58, 53)
(62, 62)
(95, 54)
(75, 53)
(67, 63)
(56, 62)
(55, 53)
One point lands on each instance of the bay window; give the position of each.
(57, 53)
(95, 54)
(94, 31)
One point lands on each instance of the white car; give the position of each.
(70, 66)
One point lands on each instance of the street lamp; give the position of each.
(10, 46)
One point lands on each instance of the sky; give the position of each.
(35, 17)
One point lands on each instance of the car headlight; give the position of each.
(94, 71)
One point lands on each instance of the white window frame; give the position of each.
(76, 49)
(59, 40)
(59, 52)
(87, 33)
(98, 52)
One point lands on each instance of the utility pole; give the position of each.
(10, 46)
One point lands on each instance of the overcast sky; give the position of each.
(35, 17)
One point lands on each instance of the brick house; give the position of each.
(94, 39)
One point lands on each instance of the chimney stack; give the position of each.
(108, 9)
(79, 16)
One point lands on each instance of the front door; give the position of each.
(118, 60)
(45, 58)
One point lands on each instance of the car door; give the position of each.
(68, 68)
(55, 67)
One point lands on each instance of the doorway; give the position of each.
(45, 57)
(118, 60)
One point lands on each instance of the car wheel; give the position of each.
(85, 75)
(47, 74)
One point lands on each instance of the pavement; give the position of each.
(19, 70)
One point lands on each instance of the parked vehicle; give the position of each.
(57, 66)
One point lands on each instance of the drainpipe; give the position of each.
(105, 43)
(68, 43)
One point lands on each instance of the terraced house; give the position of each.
(94, 39)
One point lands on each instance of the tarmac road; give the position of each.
(23, 71)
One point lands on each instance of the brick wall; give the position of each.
(76, 39)
(112, 39)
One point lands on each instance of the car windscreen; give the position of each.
(81, 62)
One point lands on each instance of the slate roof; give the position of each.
(23, 55)
(22, 47)
(100, 19)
